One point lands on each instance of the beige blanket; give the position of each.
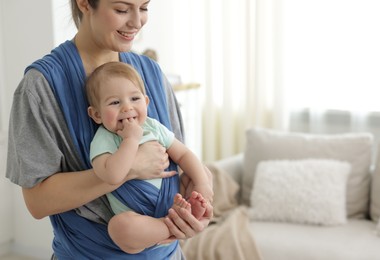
(228, 236)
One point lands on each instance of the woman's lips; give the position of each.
(127, 35)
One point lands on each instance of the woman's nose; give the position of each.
(135, 19)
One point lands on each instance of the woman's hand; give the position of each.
(150, 162)
(182, 224)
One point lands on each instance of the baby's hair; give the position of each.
(106, 71)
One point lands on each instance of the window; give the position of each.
(331, 54)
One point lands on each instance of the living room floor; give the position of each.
(16, 257)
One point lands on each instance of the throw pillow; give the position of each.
(354, 148)
(311, 191)
(375, 191)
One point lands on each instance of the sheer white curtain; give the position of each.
(330, 55)
(226, 77)
(300, 65)
(234, 53)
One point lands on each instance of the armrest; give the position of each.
(233, 166)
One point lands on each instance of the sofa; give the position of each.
(307, 196)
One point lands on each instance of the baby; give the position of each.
(118, 103)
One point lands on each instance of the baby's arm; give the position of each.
(113, 168)
(192, 167)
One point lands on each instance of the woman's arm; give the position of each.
(66, 191)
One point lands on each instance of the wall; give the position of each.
(172, 31)
(5, 187)
(25, 35)
(2, 82)
(6, 223)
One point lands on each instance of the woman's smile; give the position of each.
(128, 35)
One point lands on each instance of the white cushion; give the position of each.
(352, 241)
(355, 148)
(311, 191)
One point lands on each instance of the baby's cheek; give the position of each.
(110, 119)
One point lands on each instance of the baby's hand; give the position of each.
(131, 129)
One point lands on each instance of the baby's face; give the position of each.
(121, 99)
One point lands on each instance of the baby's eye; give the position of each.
(114, 102)
(136, 98)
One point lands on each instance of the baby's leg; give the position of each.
(198, 204)
(133, 232)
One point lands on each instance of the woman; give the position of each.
(50, 132)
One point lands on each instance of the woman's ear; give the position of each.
(94, 114)
(83, 6)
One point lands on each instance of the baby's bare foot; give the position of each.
(180, 202)
(198, 204)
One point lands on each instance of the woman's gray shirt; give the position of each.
(40, 145)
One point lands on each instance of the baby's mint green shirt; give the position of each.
(107, 142)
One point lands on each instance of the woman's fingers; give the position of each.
(183, 224)
(167, 174)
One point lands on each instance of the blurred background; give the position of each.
(297, 65)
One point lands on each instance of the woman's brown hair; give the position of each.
(76, 12)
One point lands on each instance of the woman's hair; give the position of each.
(109, 70)
(76, 12)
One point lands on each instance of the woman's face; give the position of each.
(114, 24)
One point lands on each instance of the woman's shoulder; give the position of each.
(34, 86)
(33, 75)
(32, 78)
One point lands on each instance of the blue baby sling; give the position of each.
(74, 236)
